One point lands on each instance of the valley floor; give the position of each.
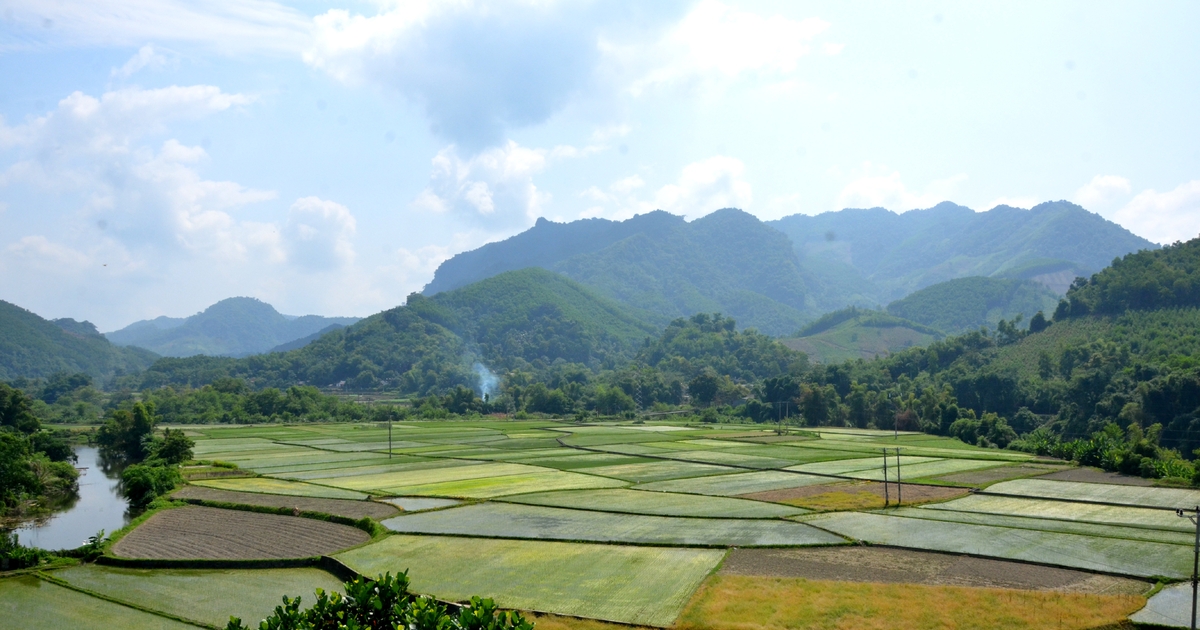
(713, 526)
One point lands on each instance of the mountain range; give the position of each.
(34, 347)
(779, 275)
(236, 327)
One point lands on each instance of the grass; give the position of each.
(548, 523)
(1109, 555)
(35, 604)
(732, 602)
(638, 585)
(657, 503)
(266, 485)
(204, 596)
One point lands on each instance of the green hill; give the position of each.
(234, 327)
(1167, 278)
(969, 303)
(854, 333)
(33, 347)
(530, 319)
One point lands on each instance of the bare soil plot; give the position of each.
(195, 532)
(1003, 473)
(1095, 475)
(337, 507)
(880, 564)
(862, 495)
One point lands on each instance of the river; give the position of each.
(100, 506)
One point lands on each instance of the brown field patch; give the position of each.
(887, 565)
(737, 602)
(1095, 475)
(337, 507)
(992, 475)
(195, 533)
(854, 495)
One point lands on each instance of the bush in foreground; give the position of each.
(385, 604)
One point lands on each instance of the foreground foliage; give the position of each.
(385, 603)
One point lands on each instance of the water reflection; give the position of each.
(98, 506)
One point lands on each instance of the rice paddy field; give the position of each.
(615, 522)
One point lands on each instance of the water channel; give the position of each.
(100, 506)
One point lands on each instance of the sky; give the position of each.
(157, 156)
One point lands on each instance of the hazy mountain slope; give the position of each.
(232, 327)
(544, 245)
(854, 333)
(529, 319)
(900, 253)
(966, 304)
(728, 262)
(33, 347)
(304, 341)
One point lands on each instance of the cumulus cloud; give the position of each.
(1164, 217)
(1102, 191)
(879, 186)
(718, 42)
(494, 187)
(478, 68)
(319, 234)
(702, 187)
(146, 57)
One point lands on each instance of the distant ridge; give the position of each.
(233, 327)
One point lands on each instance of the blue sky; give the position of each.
(157, 155)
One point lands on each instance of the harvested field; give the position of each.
(33, 604)
(1003, 473)
(194, 532)
(739, 602)
(861, 495)
(1095, 475)
(882, 564)
(337, 507)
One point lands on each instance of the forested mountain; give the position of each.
(232, 327)
(33, 347)
(964, 304)
(779, 275)
(891, 255)
(727, 262)
(527, 320)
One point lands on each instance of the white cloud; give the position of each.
(702, 187)
(494, 187)
(227, 26)
(879, 186)
(146, 57)
(320, 234)
(1101, 192)
(1164, 217)
(718, 42)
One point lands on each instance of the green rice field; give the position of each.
(28, 602)
(637, 585)
(623, 522)
(501, 520)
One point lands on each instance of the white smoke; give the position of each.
(488, 381)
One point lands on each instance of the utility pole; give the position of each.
(1193, 515)
(389, 435)
(886, 497)
(899, 487)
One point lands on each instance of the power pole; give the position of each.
(886, 497)
(1193, 515)
(389, 435)
(899, 487)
